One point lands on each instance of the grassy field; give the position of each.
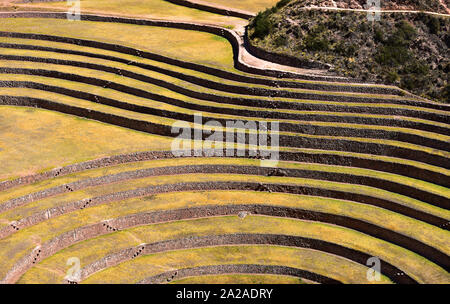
(177, 81)
(145, 86)
(199, 257)
(183, 50)
(97, 73)
(15, 192)
(169, 122)
(181, 44)
(32, 140)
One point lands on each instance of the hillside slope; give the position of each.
(439, 6)
(410, 50)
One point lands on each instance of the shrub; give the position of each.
(262, 25)
(378, 35)
(385, 51)
(363, 27)
(394, 51)
(346, 50)
(351, 50)
(408, 82)
(405, 30)
(392, 55)
(280, 40)
(434, 25)
(391, 77)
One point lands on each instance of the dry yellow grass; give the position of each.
(56, 200)
(159, 9)
(19, 191)
(318, 262)
(32, 140)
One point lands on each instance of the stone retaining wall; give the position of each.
(194, 66)
(322, 107)
(230, 35)
(179, 274)
(284, 140)
(212, 97)
(320, 158)
(207, 96)
(212, 9)
(276, 211)
(206, 82)
(283, 126)
(406, 190)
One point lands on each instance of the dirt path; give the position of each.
(251, 60)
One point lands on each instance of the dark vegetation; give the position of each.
(408, 50)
